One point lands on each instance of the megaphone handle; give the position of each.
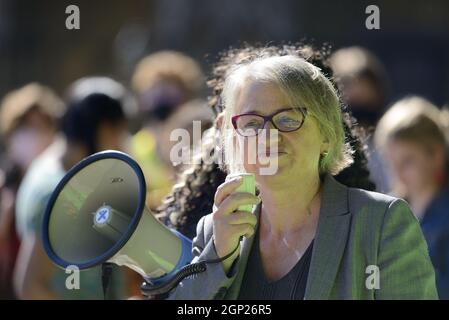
(106, 272)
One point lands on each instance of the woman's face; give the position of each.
(413, 165)
(298, 152)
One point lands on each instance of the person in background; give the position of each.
(28, 125)
(163, 82)
(92, 123)
(363, 84)
(412, 136)
(113, 89)
(28, 122)
(191, 120)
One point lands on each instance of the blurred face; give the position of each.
(112, 136)
(28, 140)
(415, 166)
(363, 99)
(297, 152)
(163, 96)
(360, 92)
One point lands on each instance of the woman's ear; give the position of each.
(324, 146)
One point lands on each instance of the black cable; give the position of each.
(161, 291)
(106, 272)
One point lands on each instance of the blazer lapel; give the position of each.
(330, 239)
(328, 248)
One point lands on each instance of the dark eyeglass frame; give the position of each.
(269, 118)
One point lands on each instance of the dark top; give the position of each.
(435, 227)
(292, 286)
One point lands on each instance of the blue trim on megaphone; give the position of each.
(185, 258)
(110, 154)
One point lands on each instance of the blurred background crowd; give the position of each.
(136, 70)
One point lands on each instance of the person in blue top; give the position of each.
(412, 137)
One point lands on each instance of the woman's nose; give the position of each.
(269, 126)
(270, 134)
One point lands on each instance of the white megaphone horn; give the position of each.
(97, 215)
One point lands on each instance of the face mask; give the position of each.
(161, 100)
(25, 145)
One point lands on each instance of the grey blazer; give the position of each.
(358, 231)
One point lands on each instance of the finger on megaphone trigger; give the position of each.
(237, 199)
(226, 188)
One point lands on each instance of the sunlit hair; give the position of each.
(171, 65)
(20, 102)
(412, 119)
(305, 86)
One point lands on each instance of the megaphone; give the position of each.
(97, 215)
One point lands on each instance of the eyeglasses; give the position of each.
(284, 120)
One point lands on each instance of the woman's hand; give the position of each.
(229, 224)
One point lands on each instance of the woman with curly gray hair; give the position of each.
(309, 236)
